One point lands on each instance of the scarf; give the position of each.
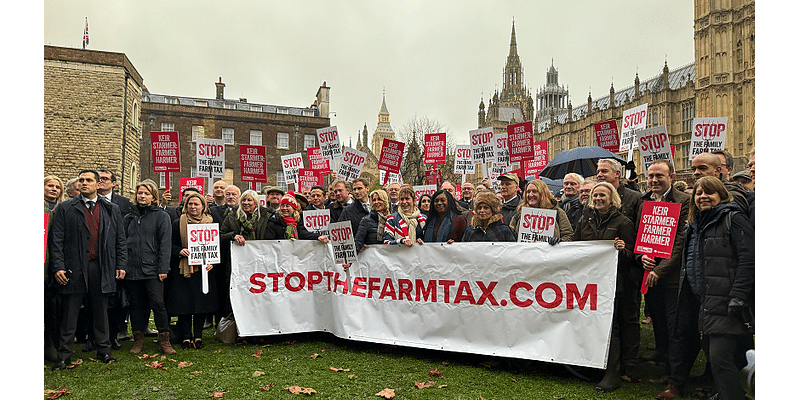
(184, 268)
(483, 224)
(441, 228)
(381, 225)
(411, 222)
(247, 223)
(291, 227)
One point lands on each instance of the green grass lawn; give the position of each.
(306, 360)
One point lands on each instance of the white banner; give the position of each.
(210, 158)
(708, 134)
(524, 300)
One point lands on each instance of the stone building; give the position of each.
(282, 129)
(92, 102)
(720, 82)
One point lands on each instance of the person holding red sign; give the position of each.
(487, 222)
(444, 223)
(662, 273)
(537, 195)
(716, 295)
(405, 225)
(602, 220)
(287, 224)
(185, 297)
(149, 232)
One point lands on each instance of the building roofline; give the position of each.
(93, 57)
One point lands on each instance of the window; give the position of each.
(283, 140)
(281, 181)
(134, 176)
(653, 115)
(194, 172)
(227, 135)
(258, 187)
(228, 175)
(229, 106)
(167, 127)
(309, 141)
(687, 114)
(198, 131)
(255, 137)
(255, 108)
(162, 182)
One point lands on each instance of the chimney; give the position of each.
(323, 100)
(220, 89)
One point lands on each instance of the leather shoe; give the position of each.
(59, 365)
(660, 380)
(670, 393)
(105, 358)
(115, 344)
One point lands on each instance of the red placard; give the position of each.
(657, 228)
(433, 176)
(253, 163)
(317, 162)
(166, 151)
(540, 159)
(307, 177)
(197, 183)
(391, 155)
(520, 141)
(607, 135)
(435, 148)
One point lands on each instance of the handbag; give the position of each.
(226, 330)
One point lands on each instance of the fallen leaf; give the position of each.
(163, 358)
(266, 388)
(513, 380)
(386, 393)
(351, 376)
(195, 372)
(315, 355)
(289, 342)
(75, 363)
(156, 365)
(258, 353)
(435, 372)
(559, 397)
(217, 351)
(217, 394)
(445, 363)
(173, 360)
(259, 373)
(54, 394)
(441, 386)
(422, 385)
(340, 369)
(301, 390)
(184, 364)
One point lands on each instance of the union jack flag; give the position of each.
(86, 34)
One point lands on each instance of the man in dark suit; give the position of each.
(219, 213)
(88, 253)
(105, 188)
(359, 207)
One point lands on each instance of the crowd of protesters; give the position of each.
(110, 261)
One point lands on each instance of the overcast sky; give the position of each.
(434, 58)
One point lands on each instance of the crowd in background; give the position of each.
(112, 262)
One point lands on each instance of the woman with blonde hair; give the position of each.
(185, 295)
(370, 229)
(538, 195)
(53, 191)
(602, 220)
(247, 221)
(149, 233)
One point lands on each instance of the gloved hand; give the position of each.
(735, 307)
(553, 241)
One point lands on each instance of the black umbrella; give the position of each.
(555, 185)
(581, 160)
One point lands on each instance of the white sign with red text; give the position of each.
(633, 119)
(341, 239)
(329, 145)
(210, 158)
(501, 156)
(391, 178)
(203, 240)
(352, 163)
(463, 160)
(654, 145)
(708, 134)
(546, 303)
(536, 224)
(419, 190)
(317, 221)
(291, 163)
(483, 145)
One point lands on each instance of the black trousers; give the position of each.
(98, 305)
(661, 301)
(627, 313)
(188, 323)
(147, 294)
